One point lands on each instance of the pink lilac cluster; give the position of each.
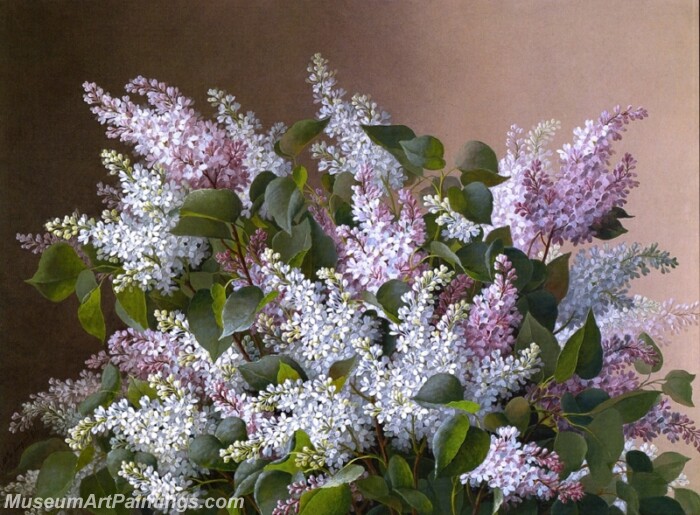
(171, 134)
(522, 470)
(383, 245)
(494, 315)
(142, 353)
(565, 205)
(662, 420)
(58, 406)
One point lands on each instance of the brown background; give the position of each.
(457, 69)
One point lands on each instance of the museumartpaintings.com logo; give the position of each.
(93, 502)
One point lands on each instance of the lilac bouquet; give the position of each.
(373, 338)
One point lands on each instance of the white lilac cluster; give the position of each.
(165, 491)
(162, 427)
(353, 150)
(321, 317)
(494, 378)
(600, 278)
(137, 237)
(333, 419)
(423, 349)
(455, 225)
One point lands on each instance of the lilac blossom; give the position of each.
(522, 470)
(171, 134)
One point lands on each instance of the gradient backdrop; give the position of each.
(457, 69)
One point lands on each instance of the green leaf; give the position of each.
(493, 421)
(389, 296)
(639, 461)
(645, 368)
(629, 495)
(571, 448)
(689, 500)
(373, 487)
(101, 485)
(661, 505)
(669, 465)
(518, 412)
(347, 474)
(284, 202)
(500, 233)
(582, 354)
(415, 499)
(631, 405)
(326, 501)
(58, 271)
(202, 323)
(342, 186)
(293, 247)
(389, 138)
(557, 282)
(56, 474)
(399, 473)
(221, 205)
(133, 302)
(533, 332)
(300, 134)
(470, 455)
(218, 296)
(605, 444)
(246, 475)
(425, 152)
(444, 252)
(560, 508)
(85, 284)
(479, 203)
(109, 387)
(300, 175)
(678, 386)
(322, 254)
(609, 226)
(91, 317)
(497, 500)
(486, 177)
(208, 213)
(286, 372)
(591, 505)
(231, 429)
(270, 487)
(137, 389)
(476, 155)
(467, 406)
(240, 309)
(295, 445)
(473, 259)
(541, 305)
(259, 185)
(259, 374)
(115, 458)
(204, 451)
(340, 371)
(448, 439)
(647, 484)
(440, 389)
(34, 455)
(522, 265)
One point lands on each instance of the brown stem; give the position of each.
(241, 347)
(239, 253)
